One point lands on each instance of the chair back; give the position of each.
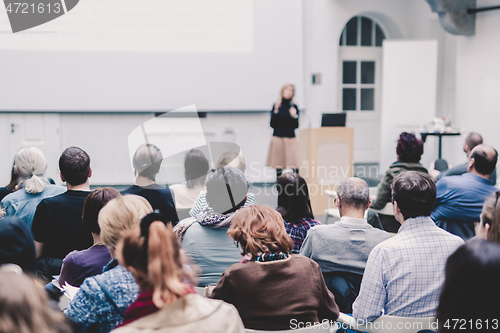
(325, 328)
(394, 324)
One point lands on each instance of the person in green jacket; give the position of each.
(409, 150)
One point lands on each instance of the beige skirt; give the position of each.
(283, 153)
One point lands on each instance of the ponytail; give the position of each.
(34, 184)
(160, 264)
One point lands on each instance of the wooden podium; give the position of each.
(326, 157)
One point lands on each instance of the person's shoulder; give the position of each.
(55, 198)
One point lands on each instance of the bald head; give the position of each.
(471, 141)
(354, 192)
(483, 160)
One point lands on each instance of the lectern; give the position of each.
(326, 157)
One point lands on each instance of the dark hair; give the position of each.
(409, 148)
(96, 199)
(147, 160)
(195, 168)
(471, 285)
(14, 178)
(484, 164)
(226, 189)
(473, 139)
(74, 164)
(415, 193)
(293, 198)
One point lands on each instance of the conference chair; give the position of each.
(393, 324)
(321, 328)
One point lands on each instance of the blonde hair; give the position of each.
(24, 307)
(258, 229)
(147, 160)
(160, 264)
(283, 89)
(30, 164)
(228, 157)
(119, 214)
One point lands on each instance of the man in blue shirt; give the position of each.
(460, 199)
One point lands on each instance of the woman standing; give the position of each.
(283, 151)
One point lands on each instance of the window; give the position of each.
(360, 45)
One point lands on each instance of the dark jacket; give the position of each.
(16, 244)
(384, 193)
(283, 123)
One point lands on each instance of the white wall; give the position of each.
(478, 80)
(409, 19)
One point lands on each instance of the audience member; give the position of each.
(147, 161)
(472, 140)
(295, 207)
(270, 287)
(25, 307)
(195, 172)
(57, 225)
(409, 150)
(469, 300)
(30, 165)
(16, 245)
(102, 299)
(404, 274)
(489, 226)
(341, 249)
(79, 265)
(167, 302)
(11, 186)
(232, 160)
(204, 238)
(460, 198)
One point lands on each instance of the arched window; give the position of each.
(360, 56)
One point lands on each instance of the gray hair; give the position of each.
(354, 192)
(30, 164)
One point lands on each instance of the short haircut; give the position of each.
(491, 216)
(226, 189)
(74, 164)
(293, 198)
(409, 148)
(476, 264)
(484, 164)
(147, 160)
(473, 139)
(96, 199)
(354, 192)
(195, 168)
(258, 229)
(121, 213)
(415, 193)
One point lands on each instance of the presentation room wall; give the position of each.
(478, 78)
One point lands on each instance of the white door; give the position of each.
(40, 130)
(360, 68)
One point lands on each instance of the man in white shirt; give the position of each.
(342, 248)
(404, 274)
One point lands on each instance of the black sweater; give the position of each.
(284, 125)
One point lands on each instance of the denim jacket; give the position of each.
(92, 311)
(22, 204)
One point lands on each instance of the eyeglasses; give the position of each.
(335, 201)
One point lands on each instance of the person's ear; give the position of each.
(487, 229)
(395, 208)
(62, 177)
(90, 172)
(471, 164)
(369, 203)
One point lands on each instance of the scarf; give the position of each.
(207, 218)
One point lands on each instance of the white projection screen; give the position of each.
(154, 55)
